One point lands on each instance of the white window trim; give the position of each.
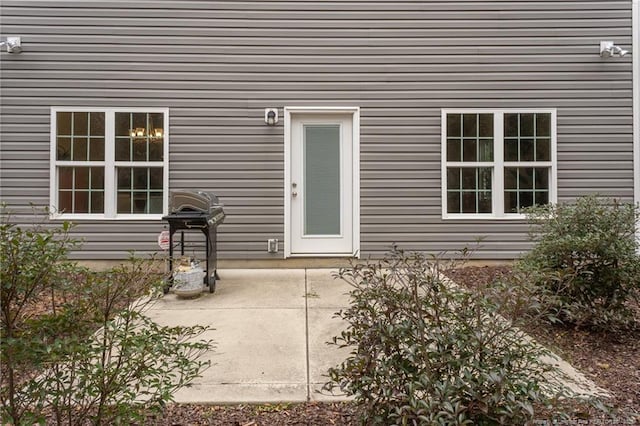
(498, 164)
(109, 165)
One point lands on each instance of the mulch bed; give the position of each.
(612, 362)
(311, 413)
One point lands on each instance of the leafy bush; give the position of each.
(585, 265)
(76, 344)
(424, 351)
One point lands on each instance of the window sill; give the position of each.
(484, 217)
(89, 217)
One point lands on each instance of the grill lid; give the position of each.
(183, 201)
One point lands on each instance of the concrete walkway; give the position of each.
(271, 328)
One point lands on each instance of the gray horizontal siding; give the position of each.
(217, 64)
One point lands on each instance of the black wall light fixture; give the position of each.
(271, 116)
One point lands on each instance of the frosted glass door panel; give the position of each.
(321, 179)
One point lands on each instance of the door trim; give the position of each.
(355, 128)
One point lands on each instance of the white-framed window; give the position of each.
(109, 163)
(497, 162)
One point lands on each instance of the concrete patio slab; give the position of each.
(326, 291)
(242, 393)
(323, 326)
(271, 330)
(248, 288)
(259, 347)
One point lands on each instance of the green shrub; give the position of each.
(76, 345)
(424, 351)
(585, 265)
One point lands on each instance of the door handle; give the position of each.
(294, 194)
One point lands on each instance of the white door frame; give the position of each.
(355, 116)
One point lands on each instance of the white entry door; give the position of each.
(321, 184)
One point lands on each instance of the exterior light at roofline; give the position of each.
(13, 44)
(608, 49)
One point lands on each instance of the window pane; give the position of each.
(469, 202)
(81, 202)
(97, 178)
(526, 199)
(139, 120)
(453, 178)
(454, 153)
(526, 124)
(510, 202)
(139, 190)
(472, 192)
(139, 202)
(124, 202)
(486, 150)
(97, 202)
(511, 150)
(542, 178)
(486, 125)
(63, 123)
(525, 186)
(511, 125)
(526, 150)
(469, 150)
(525, 178)
(469, 178)
(139, 149)
(484, 202)
(140, 180)
(156, 152)
(124, 178)
(65, 177)
(64, 149)
(542, 198)
(79, 149)
(155, 202)
(97, 124)
(123, 124)
(321, 147)
(156, 123)
(543, 125)
(543, 148)
(81, 180)
(123, 152)
(96, 149)
(454, 125)
(470, 125)
(510, 178)
(484, 178)
(155, 178)
(74, 144)
(81, 123)
(453, 202)
(65, 202)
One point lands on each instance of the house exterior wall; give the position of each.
(217, 64)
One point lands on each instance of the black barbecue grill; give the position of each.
(195, 211)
